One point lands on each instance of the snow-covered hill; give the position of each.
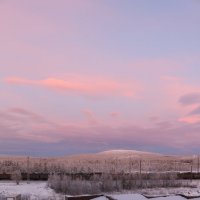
(128, 153)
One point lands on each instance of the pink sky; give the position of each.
(86, 76)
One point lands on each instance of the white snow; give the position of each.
(34, 189)
(140, 197)
(101, 198)
(128, 197)
(38, 189)
(122, 151)
(170, 198)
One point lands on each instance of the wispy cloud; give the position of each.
(19, 123)
(83, 85)
(196, 111)
(168, 134)
(190, 99)
(190, 119)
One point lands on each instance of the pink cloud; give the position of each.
(190, 119)
(20, 81)
(190, 99)
(114, 114)
(176, 90)
(82, 85)
(25, 113)
(181, 98)
(165, 134)
(18, 123)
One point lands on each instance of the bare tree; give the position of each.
(16, 176)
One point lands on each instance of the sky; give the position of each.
(84, 76)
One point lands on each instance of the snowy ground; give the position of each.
(159, 194)
(34, 189)
(141, 197)
(40, 190)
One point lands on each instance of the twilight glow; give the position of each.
(81, 76)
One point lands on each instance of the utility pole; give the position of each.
(198, 164)
(140, 173)
(28, 170)
(175, 166)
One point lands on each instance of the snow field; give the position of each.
(34, 189)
